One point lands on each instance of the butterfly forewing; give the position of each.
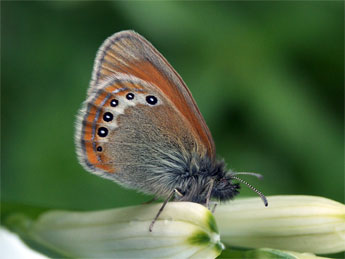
(129, 53)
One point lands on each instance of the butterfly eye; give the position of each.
(102, 132)
(108, 116)
(99, 149)
(130, 96)
(114, 103)
(150, 99)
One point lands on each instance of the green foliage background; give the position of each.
(267, 76)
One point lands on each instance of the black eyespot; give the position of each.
(108, 116)
(102, 132)
(99, 148)
(150, 99)
(130, 96)
(114, 103)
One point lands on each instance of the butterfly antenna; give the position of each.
(263, 198)
(259, 176)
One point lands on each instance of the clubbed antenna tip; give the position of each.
(263, 198)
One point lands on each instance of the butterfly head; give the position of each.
(224, 188)
(207, 179)
(212, 181)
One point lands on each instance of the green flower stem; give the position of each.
(297, 223)
(266, 253)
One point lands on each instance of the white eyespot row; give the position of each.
(115, 103)
(130, 99)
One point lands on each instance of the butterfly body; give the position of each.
(141, 128)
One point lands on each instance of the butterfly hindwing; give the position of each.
(126, 135)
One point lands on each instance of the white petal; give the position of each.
(12, 247)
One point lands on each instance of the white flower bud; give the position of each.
(296, 223)
(184, 229)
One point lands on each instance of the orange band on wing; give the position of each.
(92, 158)
(93, 118)
(89, 139)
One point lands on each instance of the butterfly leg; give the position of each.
(208, 196)
(174, 192)
(214, 207)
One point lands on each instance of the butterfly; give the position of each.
(141, 128)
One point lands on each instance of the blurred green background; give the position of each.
(267, 76)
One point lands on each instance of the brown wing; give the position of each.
(128, 131)
(129, 53)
